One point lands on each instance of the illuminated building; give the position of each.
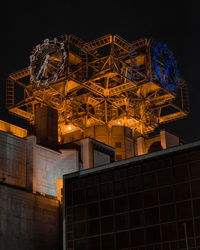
(89, 104)
(108, 89)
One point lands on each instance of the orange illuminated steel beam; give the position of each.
(119, 83)
(21, 113)
(172, 117)
(20, 74)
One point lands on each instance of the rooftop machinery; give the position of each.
(108, 81)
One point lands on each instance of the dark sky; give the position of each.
(175, 23)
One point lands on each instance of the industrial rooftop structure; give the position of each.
(90, 105)
(106, 83)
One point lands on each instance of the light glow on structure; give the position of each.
(13, 129)
(108, 81)
(69, 128)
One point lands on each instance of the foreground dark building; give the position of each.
(146, 202)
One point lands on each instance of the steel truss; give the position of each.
(106, 81)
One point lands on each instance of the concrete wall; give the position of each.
(100, 158)
(51, 165)
(27, 221)
(94, 153)
(168, 139)
(165, 138)
(25, 164)
(12, 159)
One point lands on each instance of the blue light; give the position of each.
(169, 74)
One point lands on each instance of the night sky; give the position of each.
(26, 25)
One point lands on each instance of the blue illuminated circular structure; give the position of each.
(165, 66)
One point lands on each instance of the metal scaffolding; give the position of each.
(106, 81)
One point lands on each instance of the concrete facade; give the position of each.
(13, 159)
(95, 153)
(52, 165)
(27, 221)
(29, 165)
(164, 138)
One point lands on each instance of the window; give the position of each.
(179, 158)
(68, 197)
(108, 241)
(78, 196)
(120, 174)
(106, 177)
(153, 234)
(195, 170)
(91, 181)
(180, 173)
(136, 219)
(92, 210)
(136, 201)
(80, 245)
(167, 213)
(196, 206)
(166, 195)
(78, 184)
(149, 180)
(197, 227)
(174, 245)
(151, 216)
(189, 229)
(135, 184)
(122, 221)
(195, 188)
(93, 243)
(169, 231)
(92, 194)
(120, 187)
(165, 176)
(163, 163)
(107, 225)
(93, 227)
(80, 230)
(184, 210)
(150, 198)
(121, 204)
(133, 170)
(79, 213)
(106, 190)
(106, 207)
(137, 237)
(182, 191)
(69, 215)
(122, 240)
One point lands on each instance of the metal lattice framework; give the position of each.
(106, 81)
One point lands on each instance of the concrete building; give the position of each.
(31, 180)
(91, 107)
(30, 211)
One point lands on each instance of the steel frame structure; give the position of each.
(106, 81)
